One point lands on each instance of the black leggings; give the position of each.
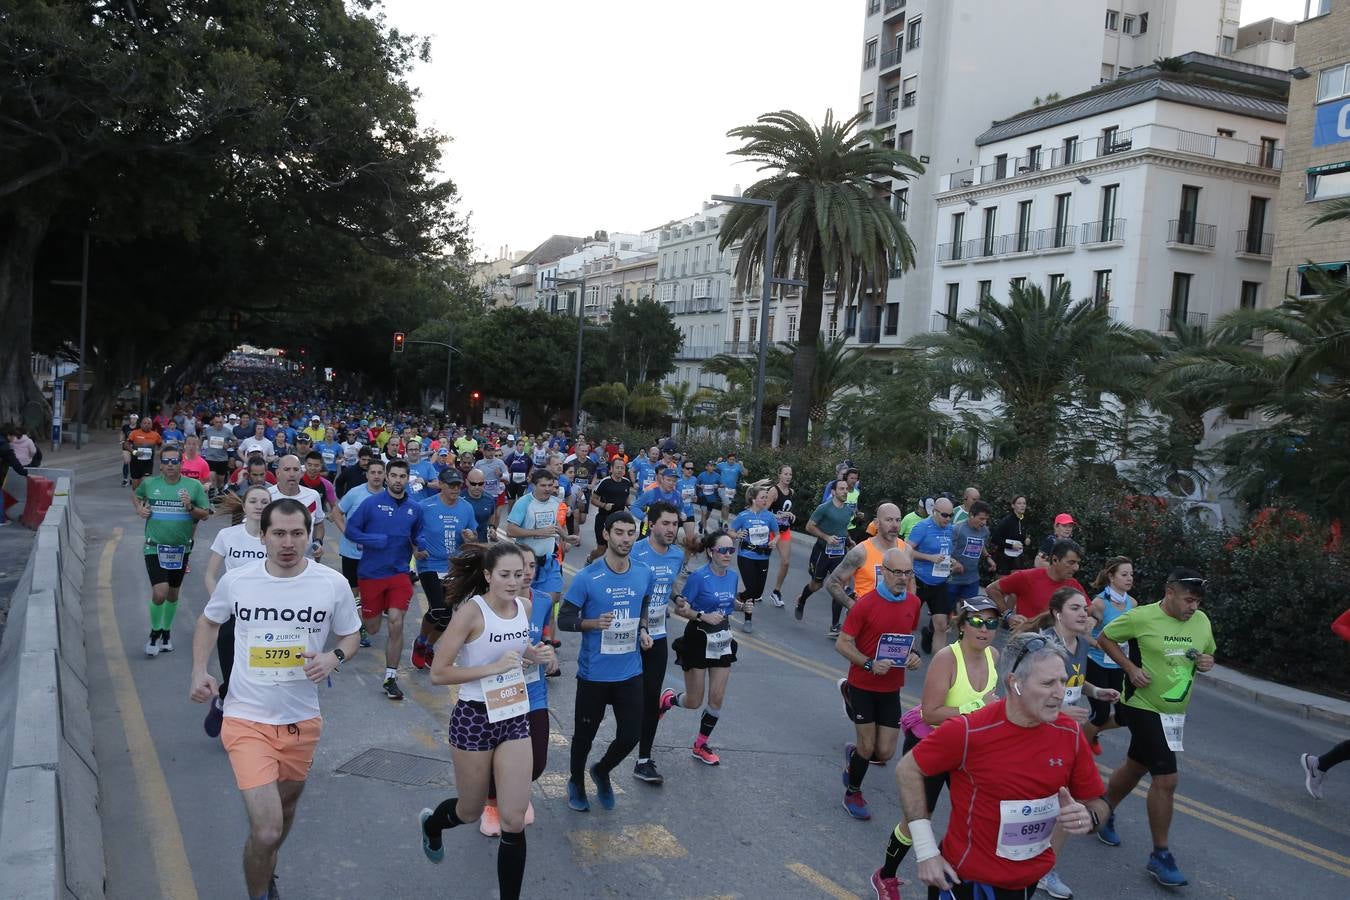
(592, 698)
(966, 891)
(538, 719)
(653, 676)
(932, 784)
(755, 573)
(225, 653)
(1338, 754)
(438, 617)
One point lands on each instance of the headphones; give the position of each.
(1018, 689)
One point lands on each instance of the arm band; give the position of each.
(925, 845)
(569, 618)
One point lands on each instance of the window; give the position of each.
(1112, 20)
(1226, 44)
(1108, 72)
(1250, 295)
(1069, 151)
(1308, 281)
(953, 299)
(958, 227)
(850, 321)
(1024, 226)
(1061, 236)
(1033, 161)
(985, 290)
(1181, 296)
(684, 262)
(1269, 152)
(1333, 83)
(915, 30)
(902, 204)
(736, 330)
(906, 141)
(1110, 135)
(1001, 166)
(1256, 225)
(1108, 212)
(873, 7)
(866, 109)
(1101, 287)
(870, 54)
(1326, 182)
(754, 329)
(792, 327)
(1127, 25)
(1055, 282)
(1143, 23)
(990, 220)
(770, 323)
(909, 91)
(1018, 284)
(892, 318)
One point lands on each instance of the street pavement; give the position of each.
(768, 822)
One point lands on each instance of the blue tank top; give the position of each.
(1110, 612)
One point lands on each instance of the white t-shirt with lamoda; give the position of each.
(277, 619)
(238, 547)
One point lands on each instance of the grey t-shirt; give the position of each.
(1075, 668)
(968, 544)
(216, 443)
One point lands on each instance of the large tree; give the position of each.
(643, 341)
(835, 221)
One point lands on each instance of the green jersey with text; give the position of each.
(170, 523)
(1159, 645)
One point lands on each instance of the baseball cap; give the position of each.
(302, 438)
(444, 451)
(451, 476)
(978, 603)
(1064, 519)
(314, 418)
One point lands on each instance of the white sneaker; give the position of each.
(165, 643)
(1312, 776)
(151, 647)
(778, 599)
(1053, 885)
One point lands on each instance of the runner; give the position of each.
(534, 522)
(687, 487)
(349, 552)
(1063, 531)
(706, 650)
(730, 472)
(709, 488)
(1114, 582)
(1315, 768)
(780, 504)
(861, 566)
(1169, 642)
(658, 552)
(484, 506)
(518, 465)
(607, 602)
(194, 465)
(1026, 593)
(285, 608)
(387, 526)
(1011, 538)
(355, 474)
(755, 528)
(1019, 767)
(484, 651)
(960, 679)
(829, 525)
(288, 485)
(142, 443)
(970, 553)
(448, 521)
(233, 547)
(923, 510)
(610, 495)
(931, 543)
(965, 510)
(258, 442)
(877, 640)
(171, 506)
(218, 446)
(664, 491)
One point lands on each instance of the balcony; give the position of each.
(1052, 240)
(702, 351)
(940, 322)
(1265, 156)
(700, 305)
(886, 114)
(1194, 319)
(873, 7)
(891, 58)
(1184, 234)
(870, 62)
(869, 335)
(1104, 232)
(1253, 243)
(910, 99)
(741, 348)
(893, 5)
(951, 253)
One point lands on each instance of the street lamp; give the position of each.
(400, 340)
(769, 281)
(79, 372)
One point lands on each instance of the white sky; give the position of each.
(612, 114)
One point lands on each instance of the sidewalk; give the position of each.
(1303, 704)
(100, 445)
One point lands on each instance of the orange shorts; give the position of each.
(381, 594)
(261, 754)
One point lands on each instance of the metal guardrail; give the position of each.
(1103, 231)
(1255, 243)
(1196, 319)
(1192, 234)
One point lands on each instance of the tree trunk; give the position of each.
(804, 360)
(20, 398)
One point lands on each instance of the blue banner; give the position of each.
(1333, 123)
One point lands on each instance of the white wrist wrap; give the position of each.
(925, 845)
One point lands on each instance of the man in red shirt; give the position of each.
(1032, 588)
(1018, 767)
(876, 639)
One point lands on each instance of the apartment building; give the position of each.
(1269, 42)
(616, 277)
(935, 73)
(694, 283)
(552, 276)
(528, 273)
(492, 278)
(1317, 156)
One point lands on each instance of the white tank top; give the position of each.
(499, 635)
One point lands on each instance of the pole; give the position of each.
(576, 378)
(79, 373)
(449, 352)
(767, 287)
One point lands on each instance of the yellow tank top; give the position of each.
(961, 691)
(865, 579)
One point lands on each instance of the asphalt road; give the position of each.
(767, 823)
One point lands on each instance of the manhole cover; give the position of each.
(400, 768)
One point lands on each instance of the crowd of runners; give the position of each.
(1022, 665)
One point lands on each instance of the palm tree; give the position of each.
(1179, 396)
(834, 221)
(1042, 357)
(644, 401)
(837, 371)
(685, 402)
(739, 396)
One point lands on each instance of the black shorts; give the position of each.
(822, 563)
(881, 707)
(349, 566)
(1148, 744)
(172, 577)
(141, 468)
(1102, 677)
(713, 502)
(219, 467)
(936, 597)
(691, 650)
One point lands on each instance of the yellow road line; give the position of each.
(1265, 829)
(166, 838)
(811, 876)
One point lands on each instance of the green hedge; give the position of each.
(1275, 586)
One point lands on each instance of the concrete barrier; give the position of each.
(51, 838)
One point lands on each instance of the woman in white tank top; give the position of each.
(482, 651)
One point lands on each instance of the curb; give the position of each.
(51, 838)
(1304, 704)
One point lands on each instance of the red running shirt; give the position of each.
(1034, 588)
(871, 617)
(992, 760)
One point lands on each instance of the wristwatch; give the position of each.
(341, 657)
(867, 666)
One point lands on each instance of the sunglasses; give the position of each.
(1194, 582)
(980, 622)
(943, 515)
(169, 462)
(899, 573)
(477, 482)
(1032, 646)
(723, 551)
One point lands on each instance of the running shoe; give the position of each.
(833, 632)
(1163, 867)
(777, 598)
(1107, 833)
(667, 702)
(1053, 885)
(365, 638)
(490, 823)
(419, 653)
(604, 791)
(392, 690)
(646, 771)
(856, 805)
(165, 643)
(704, 753)
(430, 653)
(842, 684)
(1312, 776)
(436, 855)
(576, 797)
(799, 610)
(885, 888)
(152, 645)
(748, 627)
(215, 717)
(272, 892)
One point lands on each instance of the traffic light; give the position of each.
(398, 341)
(474, 397)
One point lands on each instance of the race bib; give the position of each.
(895, 647)
(758, 534)
(719, 642)
(835, 549)
(942, 569)
(170, 557)
(974, 547)
(277, 655)
(656, 617)
(504, 695)
(545, 519)
(1071, 695)
(531, 671)
(708, 489)
(687, 494)
(1173, 724)
(145, 452)
(1012, 548)
(620, 636)
(518, 477)
(329, 457)
(1025, 827)
(216, 443)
